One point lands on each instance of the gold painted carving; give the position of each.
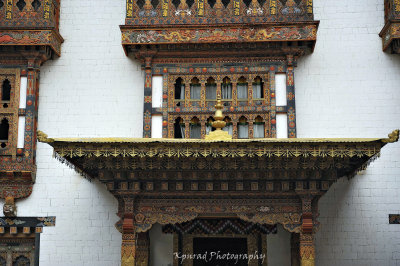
(144, 222)
(290, 221)
(392, 137)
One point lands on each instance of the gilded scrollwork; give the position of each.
(146, 221)
(290, 221)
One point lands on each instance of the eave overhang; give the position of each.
(390, 35)
(222, 40)
(118, 159)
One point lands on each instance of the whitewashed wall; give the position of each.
(346, 88)
(349, 88)
(92, 90)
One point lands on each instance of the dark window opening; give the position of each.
(261, 2)
(1, 4)
(155, 3)
(190, 3)
(226, 3)
(140, 3)
(4, 129)
(211, 89)
(6, 90)
(21, 4)
(22, 261)
(179, 89)
(247, 2)
(211, 3)
(179, 129)
(36, 4)
(176, 3)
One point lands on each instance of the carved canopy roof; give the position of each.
(286, 159)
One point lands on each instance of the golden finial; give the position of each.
(393, 137)
(219, 124)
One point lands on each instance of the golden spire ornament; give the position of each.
(218, 124)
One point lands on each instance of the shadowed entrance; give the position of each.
(220, 251)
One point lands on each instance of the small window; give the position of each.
(229, 126)
(243, 128)
(6, 91)
(195, 89)
(226, 89)
(4, 129)
(211, 89)
(242, 88)
(258, 88)
(179, 89)
(179, 129)
(258, 127)
(195, 128)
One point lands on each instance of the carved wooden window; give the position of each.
(211, 89)
(226, 89)
(179, 128)
(243, 128)
(195, 89)
(195, 128)
(179, 89)
(4, 129)
(258, 88)
(242, 89)
(6, 91)
(229, 125)
(258, 127)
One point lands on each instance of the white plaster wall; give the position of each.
(92, 90)
(161, 247)
(346, 88)
(349, 88)
(278, 248)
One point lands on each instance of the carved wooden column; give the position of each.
(272, 113)
(291, 104)
(251, 129)
(187, 93)
(142, 249)
(147, 108)
(234, 93)
(187, 128)
(128, 246)
(203, 93)
(307, 248)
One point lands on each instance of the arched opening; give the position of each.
(258, 88)
(258, 127)
(195, 128)
(243, 128)
(6, 91)
(195, 89)
(242, 88)
(179, 128)
(209, 127)
(211, 89)
(229, 126)
(226, 89)
(179, 90)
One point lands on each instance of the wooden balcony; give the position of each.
(390, 33)
(31, 23)
(227, 27)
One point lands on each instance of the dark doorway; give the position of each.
(217, 250)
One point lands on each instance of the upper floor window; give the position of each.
(4, 129)
(242, 88)
(226, 89)
(179, 128)
(258, 127)
(258, 88)
(211, 89)
(6, 90)
(179, 89)
(243, 128)
(229, 126)
(195, 128)
(195, 89)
